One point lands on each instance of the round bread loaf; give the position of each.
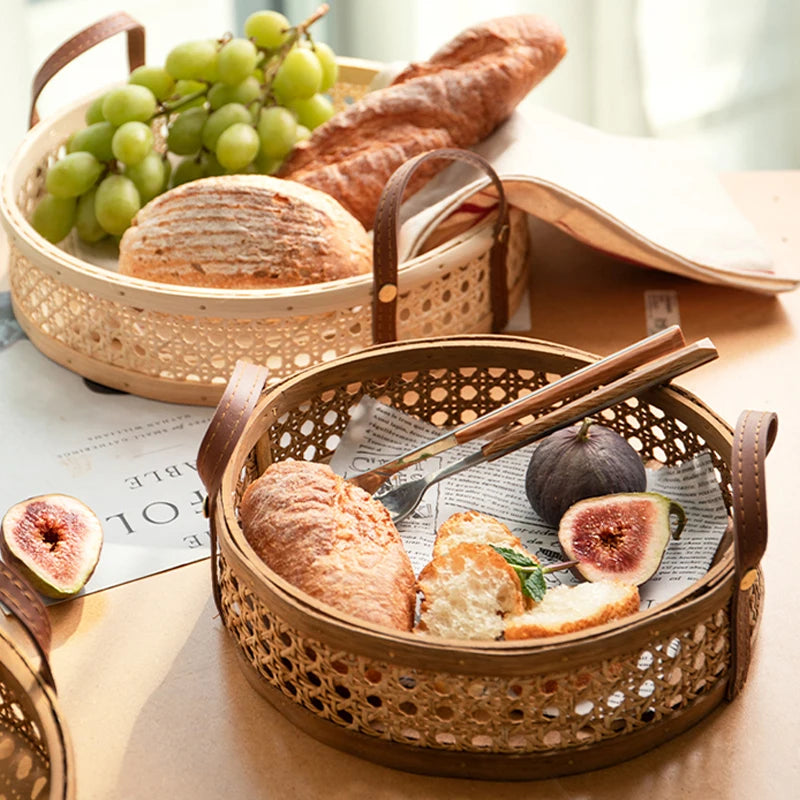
(244, 232)
(332, 540)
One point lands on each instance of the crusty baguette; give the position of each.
(566, 609)
(455, 99)
(330, 539)
(244, 232)
(467, 591)
(474, 526)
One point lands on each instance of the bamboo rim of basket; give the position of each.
(200, 301)
(321, 620)
(52, 728)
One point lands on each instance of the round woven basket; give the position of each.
(36, 759)
(179, 344)
(499, 710)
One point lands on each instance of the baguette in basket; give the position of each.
(456, 99)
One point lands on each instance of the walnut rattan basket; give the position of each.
(179, 344)
(500, 710)
(36, 760)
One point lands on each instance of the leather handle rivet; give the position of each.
(748, 579)
(387, 293)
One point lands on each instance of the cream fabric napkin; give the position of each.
(642, 199)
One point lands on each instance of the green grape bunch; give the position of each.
(232, 105)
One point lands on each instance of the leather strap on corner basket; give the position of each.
(83, 41)
(26, 606)
(754, 435)
(233, 410)
(385, 259)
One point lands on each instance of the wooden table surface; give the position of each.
(157, 706)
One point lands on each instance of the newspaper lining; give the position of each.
(378, 433)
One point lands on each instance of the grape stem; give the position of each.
(295, 32)
(294, 35)
(169, 108)
(307, 23)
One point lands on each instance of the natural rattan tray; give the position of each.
(500, 710)
(180, 344)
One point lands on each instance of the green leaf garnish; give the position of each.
(530, 574)
(514, 557)
(533, 585)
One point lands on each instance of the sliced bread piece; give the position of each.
(476, 527)
(566, 609)
(467, 592)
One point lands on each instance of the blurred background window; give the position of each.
(722, 77)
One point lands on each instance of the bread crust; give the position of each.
(455, 99)
(622, 600)
(244, 232)
(332, 540)
(475, 526)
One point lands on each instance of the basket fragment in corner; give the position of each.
(494, 710)
(37, 758)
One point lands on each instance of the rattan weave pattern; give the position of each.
(525, 713)
(35, 753)
(24, 761)
(452, 397)
(202, 349)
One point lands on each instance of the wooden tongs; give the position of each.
(597, 386)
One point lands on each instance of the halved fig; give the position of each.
(620, 536)
(55, 541)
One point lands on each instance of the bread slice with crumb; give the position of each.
(476, 527)
(566, 609)
(467, 592)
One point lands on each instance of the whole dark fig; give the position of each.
(585, 460)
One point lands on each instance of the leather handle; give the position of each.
(28, 609)
(385, 260)
(235, 407)
(753, 438)
(84, 40)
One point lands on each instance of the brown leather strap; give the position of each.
(226, 426)
(83, 41)
(23, 602)
(233, 410)
(754, 435)
(384, 289)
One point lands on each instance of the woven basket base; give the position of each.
(486, 766)
(123, 379)
(154, 387)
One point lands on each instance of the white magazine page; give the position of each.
(131, 460)
(380, 433)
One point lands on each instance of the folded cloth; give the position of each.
(641, 199)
